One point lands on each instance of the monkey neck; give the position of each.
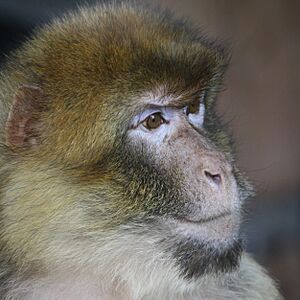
(69, 286)
(249, 282)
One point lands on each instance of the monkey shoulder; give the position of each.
(251, 281)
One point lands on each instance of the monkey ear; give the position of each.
(24, 113)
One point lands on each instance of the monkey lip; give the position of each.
(222, 226)
(204, 220)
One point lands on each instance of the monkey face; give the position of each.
(183, 182)
(120, 135)
(174, 140)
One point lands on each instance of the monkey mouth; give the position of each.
(203, 220)
(217, 227)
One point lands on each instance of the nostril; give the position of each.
(216, 178)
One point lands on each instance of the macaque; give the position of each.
(117, 181)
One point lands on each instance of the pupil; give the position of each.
(154, 121)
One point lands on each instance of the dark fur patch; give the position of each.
(196, 258)
(153, 188)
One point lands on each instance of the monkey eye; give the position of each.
(195, 110)
(153, 121)
(193, 107)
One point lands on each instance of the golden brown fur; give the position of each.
(63, 209)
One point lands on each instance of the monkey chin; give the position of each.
(206, 246)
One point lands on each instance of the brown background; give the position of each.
(261, 102)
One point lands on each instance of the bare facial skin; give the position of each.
(206, 190)
(117, 181)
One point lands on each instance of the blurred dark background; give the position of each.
(260, 101)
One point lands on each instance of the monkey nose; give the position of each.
(214, 178)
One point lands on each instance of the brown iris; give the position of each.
(153, 121)
(193, 107)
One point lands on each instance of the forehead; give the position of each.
(144, 49)
(161, 96)
(117, 56)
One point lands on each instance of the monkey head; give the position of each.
(115, 148)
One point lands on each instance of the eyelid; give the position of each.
(141, 117)
(145, 115)
(165, 111)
